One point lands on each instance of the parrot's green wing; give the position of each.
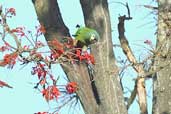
(83, 34)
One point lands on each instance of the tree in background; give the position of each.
(161, 98)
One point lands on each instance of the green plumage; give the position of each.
(86, 36)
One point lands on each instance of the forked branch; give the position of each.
(139, 87)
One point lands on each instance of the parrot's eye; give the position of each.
(92, 37)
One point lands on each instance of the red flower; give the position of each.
(12, 11)
(148, 42)
(19, 31)
(85, 56)
(68, 42)
(5, 47)
(39, 44)
(42, 82)
(57, 49)
(72, 87)
(50, 93)
(41, 29)
(55, 44)
(78, 54)
(36, 55)
(55, 54)
(39, 70)
(9, 59)
(41, 113)
(25, 47)
(89, 58)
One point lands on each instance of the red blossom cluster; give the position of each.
(51, 92)
(26, 47)
(148, 42)
(41, 29)
(68, 51)
(11, 11)
(36, 55)
(45, 113)
(63, 51)
(5, 47)
(9, 59)
(39, 44)
(39, 70)
(19, 31)
(41, 113)
(89, 58)
(71, 87)
(57, 49)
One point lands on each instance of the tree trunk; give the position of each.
(162, 79)
(104, 95)
(96, 15)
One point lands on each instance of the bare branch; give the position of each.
(151, 7)
(139, 85)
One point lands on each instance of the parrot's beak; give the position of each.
(93, 41)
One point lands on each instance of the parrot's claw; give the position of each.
(84, 49)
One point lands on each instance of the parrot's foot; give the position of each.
(75, 42)
(84, 49)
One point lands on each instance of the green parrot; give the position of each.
(84, 37)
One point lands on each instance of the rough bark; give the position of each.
(107, 97)
(49, 15)
(96, 15)
(162, 85)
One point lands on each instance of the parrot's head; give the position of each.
(94, 37)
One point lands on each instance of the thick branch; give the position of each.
(49, 15)
(139, 85)
(161, 80)
(96, 15)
